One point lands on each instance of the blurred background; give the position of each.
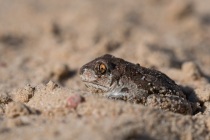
(43, 40)
(51, 39)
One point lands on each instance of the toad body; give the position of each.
(122, 80)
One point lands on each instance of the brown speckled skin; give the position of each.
(131, 82)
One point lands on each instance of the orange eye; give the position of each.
(102, 68)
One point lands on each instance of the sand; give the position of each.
(44, 43)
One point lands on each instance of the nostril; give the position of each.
(81, 71)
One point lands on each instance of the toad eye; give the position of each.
(102, 68)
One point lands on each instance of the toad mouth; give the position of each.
(95, 85)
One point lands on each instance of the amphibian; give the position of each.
(122, 80)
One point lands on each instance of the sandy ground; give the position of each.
(44, 43)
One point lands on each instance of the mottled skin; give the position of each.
(122, 80)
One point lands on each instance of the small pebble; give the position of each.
(74, 100)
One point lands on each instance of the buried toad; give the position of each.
(122, 80)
